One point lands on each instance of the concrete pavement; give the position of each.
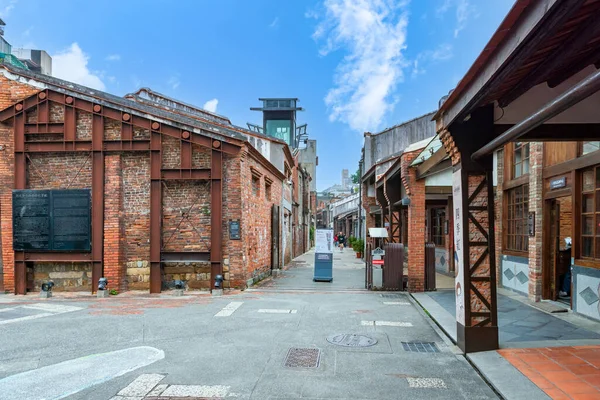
(245, 352)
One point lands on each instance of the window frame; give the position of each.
(523, 149)
(438, 221)
(515, 228)
(594, 213)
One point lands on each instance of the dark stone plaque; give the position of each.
(31, 220)
(234, 230)
(71, 220)
(47, 220)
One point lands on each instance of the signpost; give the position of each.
(323, 255)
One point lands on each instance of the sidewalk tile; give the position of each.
(583, 369)
(545, 366)
(593, 379)
(586, 396)
(556, 394)
(559, 376)
(575, 387)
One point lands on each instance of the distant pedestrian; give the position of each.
(341, 240)
(335, 240)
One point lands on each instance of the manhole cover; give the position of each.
(302, 358)
(420, 347)
(390, 295)
(351, 340)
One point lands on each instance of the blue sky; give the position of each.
(355, 65)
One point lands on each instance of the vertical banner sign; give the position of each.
(459, 285)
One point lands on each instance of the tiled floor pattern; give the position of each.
(561, 372)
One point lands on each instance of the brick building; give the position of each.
(177, 193)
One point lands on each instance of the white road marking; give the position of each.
(426, 383)
(21, 319)
(276, 311)
(55, 308)
(157, 391)
(396, 303)
(142, 385)
(229, 309)
(64, 379)
(49, 308)
(196, 391)
(386, 323)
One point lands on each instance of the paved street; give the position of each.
(240, 345)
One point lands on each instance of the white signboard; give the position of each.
(459, 285)
(324, 241)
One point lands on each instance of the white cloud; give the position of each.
(27, 31)
(464, 11)
(174, 82)
(71, 64)
(373, 35)
(275, 23)
(113, 57)
(442, 53)
(211, 105)
(5, 10)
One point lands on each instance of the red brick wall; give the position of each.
(256, 225)
(114, 238)
(10, 93)
(234, 260)
(415, 189)
(498, 207)
(536, 201)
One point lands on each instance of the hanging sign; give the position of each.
(234, 230)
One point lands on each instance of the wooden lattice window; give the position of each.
(517, 238)
(590, 214)
(438, 219)
(520, 161)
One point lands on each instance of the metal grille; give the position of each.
(302, 358)
(420, 347)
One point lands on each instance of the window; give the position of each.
(438, 220)
(590, 213)
(268, 191)
(279, 129)
(516, 223)
(255, 185)
(590, 147)
(520, 159)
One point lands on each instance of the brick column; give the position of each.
(114, 265)
(536, 202)
(498, 208)
(415, 189)
(7, 168)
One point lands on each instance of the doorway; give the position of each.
(557, 255)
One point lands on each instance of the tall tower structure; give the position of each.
(279, 119)
(345, 179)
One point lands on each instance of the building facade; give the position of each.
(176, 193)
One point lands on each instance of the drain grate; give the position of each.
(302, 358)
(420, 347)
(391, 295)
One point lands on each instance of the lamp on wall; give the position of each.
(406, 201)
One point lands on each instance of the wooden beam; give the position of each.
(190, 173)
(579, 37)
(591, 57)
